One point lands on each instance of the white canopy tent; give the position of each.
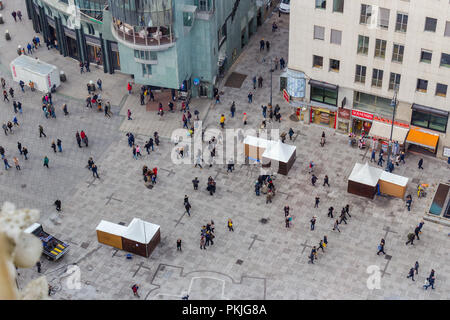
(381, 130)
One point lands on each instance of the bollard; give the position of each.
(7, 35)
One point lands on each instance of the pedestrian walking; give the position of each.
(411, 274)
(342, 217)
(330, 212)
(222, 121)
(38, 265)
(99, 84)
(129, 114)
(14, 14)
(316, 205)
(325, 241)
(25, 152)
(7, 165)
(286, 210)
(41, 132)
(46, 160)
(416, 232)
(187, 206)
(202, 242)
(195, 183)
(420, 163)
(313, 255)
(249, 96)
(5, 96)
(230, 225)
(411, 237)
(291, 133)
(416, 267)
(325, 181)
(336, 226)
(321, 246)
(94, 171)
(244, 119)
(58, 205)
(287, 220)
(262, 44)
(135, 289)
(129, 87)
(313, 223)
(381, 247)
(53, 146)
(269, 196)
(233, 109)
(178, 244)
(347, 210)
(313, 179)
(254, 82)
(430, 280)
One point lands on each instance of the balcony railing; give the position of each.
(146, 37)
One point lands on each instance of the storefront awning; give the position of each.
(431, 110)
(422, 138)
(381, 130)
(322, 84)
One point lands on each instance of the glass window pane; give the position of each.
(438, 123)
(317, 94)
(338, 5)
(445, 60)
(430, 24)
(420, 119)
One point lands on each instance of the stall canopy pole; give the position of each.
(393, 104)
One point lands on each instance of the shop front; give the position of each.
(422, 141)
(380, 131)
(361, 122)
(94, 50)
(343, 123)
(323, 97)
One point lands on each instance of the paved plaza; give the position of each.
(261, 259)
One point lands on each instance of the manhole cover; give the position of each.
(23, 186)
(239, 262)
(264, 220)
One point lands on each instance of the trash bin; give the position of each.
(7, 35)
(62, 76)
(1, 19)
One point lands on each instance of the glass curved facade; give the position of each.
(92, 8)
(143, 22)
(142, 13)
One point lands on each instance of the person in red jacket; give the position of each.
(129, 87)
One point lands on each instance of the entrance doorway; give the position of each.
(203, 90)
(243, 32)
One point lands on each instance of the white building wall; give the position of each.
(302, 47)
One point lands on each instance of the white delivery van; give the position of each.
(42, 74)
(284, 6)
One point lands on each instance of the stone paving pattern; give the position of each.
(273, 267)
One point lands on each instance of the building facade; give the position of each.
(353, 56)
(177, 44)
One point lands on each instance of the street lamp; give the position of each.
(394, 103)
(271, 73)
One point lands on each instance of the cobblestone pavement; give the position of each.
(256, 261)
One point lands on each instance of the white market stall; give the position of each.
(42, 74)
(140, 237)
(382, 131)
(365, 180)
(273, 153)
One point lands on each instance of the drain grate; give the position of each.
(84, 245)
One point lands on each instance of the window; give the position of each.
(380, 48)
(363, 44)
(422, 85)
(430, 24)
(204, 5)
(338, 6)
(321, 4)
(145, 55)
(366, 13)
(425, 56)
(334, 65)
(319, 33)
(360, 74)
(429, 121)
(397, 53)
(447, 29)
(402, 22)
(394, 81)
(336, 36)
(317, 62)
(222, 34)
(383, 18)
(445, 60)
(441, 90)
(377, 78)
(372, 104)
(324, 95)
(188, 19)
(146, 70)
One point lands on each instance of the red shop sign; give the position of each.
(361, 114)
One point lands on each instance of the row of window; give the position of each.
(145, 55)
(338, 5)
(377, 77)
(397, 51)
(401, 22)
